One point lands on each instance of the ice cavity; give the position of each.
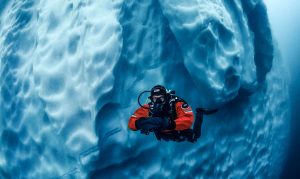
(214, 53)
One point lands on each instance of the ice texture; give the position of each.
(71, 72)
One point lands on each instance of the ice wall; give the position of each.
(71, 72)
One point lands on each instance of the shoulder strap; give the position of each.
(173, 100)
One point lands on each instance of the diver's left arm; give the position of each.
(185, 116)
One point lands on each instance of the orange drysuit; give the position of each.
(184, 116)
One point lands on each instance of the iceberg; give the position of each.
(71, 72)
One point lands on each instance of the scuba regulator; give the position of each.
(157, 106)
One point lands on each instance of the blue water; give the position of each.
(71, 73)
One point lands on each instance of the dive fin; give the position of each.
(206, 111)
(199, 120)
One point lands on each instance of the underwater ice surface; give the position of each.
(71, 72)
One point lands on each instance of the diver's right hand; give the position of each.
(139, 123)
(146, 125)
(145, 131)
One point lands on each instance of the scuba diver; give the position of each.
(168, 116)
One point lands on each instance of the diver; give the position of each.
(168, 116)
